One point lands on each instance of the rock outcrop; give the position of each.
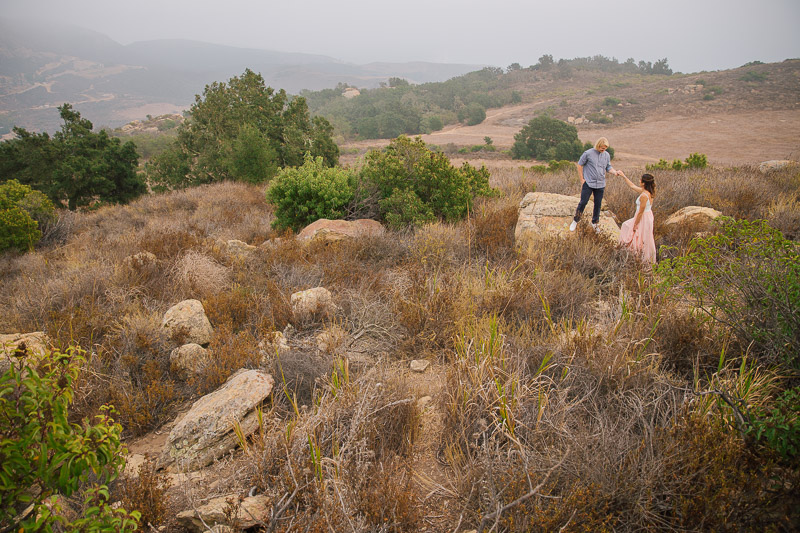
(252, 511)
(206, 433)
(312, 303)
(776, 164)
(699, 217)
(335, 230)
(187, 320)
(543, 214)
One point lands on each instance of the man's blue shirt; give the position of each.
(595, 165)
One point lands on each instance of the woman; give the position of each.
(637, 233)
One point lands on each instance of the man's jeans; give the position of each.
(586, 192)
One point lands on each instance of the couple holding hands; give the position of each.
(636, 233)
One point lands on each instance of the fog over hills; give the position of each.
(43, 66)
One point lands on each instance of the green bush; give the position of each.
(747, 277)
(779, 426)
(409, 171)
(752, 76)
(22, 212)
(694, 161)
(539, 136)
(610, 101)
(307, 193)
(45, 457)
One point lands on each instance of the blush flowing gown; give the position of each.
(642, 240)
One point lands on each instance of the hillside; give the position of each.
(737, 116)
(42, 67)
(452, 381)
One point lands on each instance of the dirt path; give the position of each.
(726, 138)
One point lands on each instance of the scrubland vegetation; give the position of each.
(572, 388)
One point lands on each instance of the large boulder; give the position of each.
(335, 230)
(543, 213)
(190, 358)
(251, 512)
(696, 216)
(23, 347)
(206, 433)
(188, 321)
(775, 164)
(312, 303)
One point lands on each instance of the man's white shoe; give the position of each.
(596, 227)
(573, 226)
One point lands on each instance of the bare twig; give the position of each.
(496, 515)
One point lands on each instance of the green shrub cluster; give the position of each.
(405, 184)
(752, 76)
(307, 193)
(76, 166)
(748, 277)
(241, 130)
(415, 185)
(23, 212)
(44, 456)
(694, 161)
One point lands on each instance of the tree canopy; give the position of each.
(242, 130)
(76, 166)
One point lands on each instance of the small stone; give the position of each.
(423, 402)
(420, 365)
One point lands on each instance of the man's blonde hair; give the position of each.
(602, 142)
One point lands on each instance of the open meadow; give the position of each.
(569, 387)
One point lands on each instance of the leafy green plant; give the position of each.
(304, 194)
(779, 426)
(694, 161)
(44, 456)
(610, 101)
(415, 185)
(746, 276)
(23, 212)
(77, 166)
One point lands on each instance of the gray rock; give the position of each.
(252, 511)
(420, 365)
(188, 319)
(336, 230)
(542, 214)
(316, 302)
(775, 164)
(692, 214)
(205, 433)
(191, 358)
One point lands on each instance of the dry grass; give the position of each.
(567, 403)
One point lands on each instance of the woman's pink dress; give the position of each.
(642, 240)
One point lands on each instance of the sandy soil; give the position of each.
(736, 138)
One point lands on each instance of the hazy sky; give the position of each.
(693, 34)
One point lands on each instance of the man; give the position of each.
(592, 167)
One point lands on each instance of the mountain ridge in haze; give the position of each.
(45, 65)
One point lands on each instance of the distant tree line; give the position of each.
(402, 108)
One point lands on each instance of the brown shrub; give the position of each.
(147, 493)
(200, 274)
(388, 500)
(229, 352)
(494, 224)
